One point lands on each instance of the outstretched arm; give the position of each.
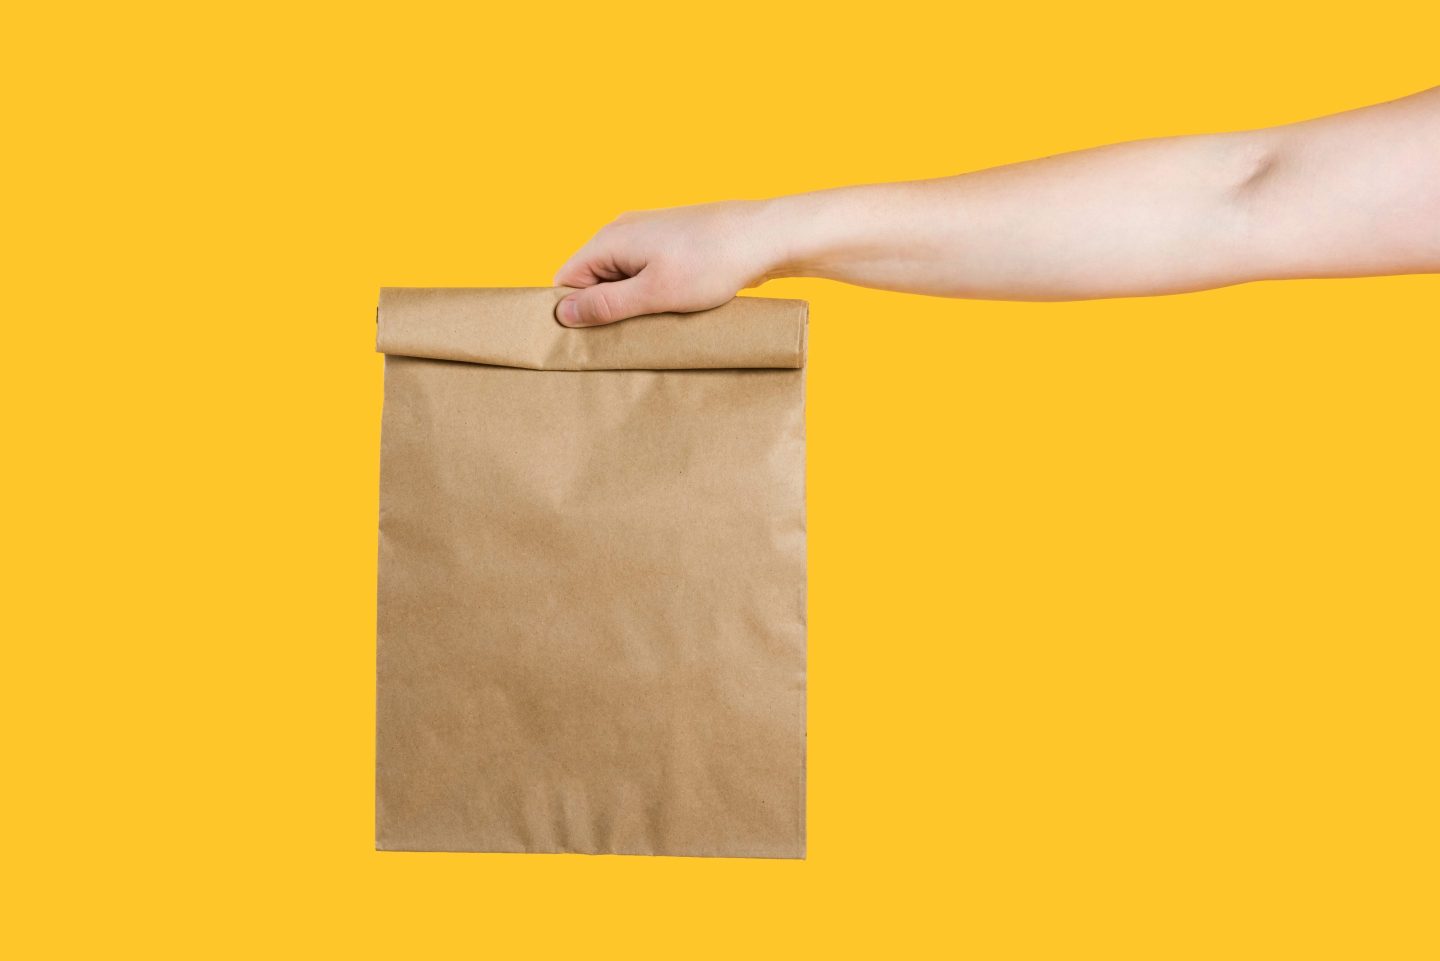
(1353, 194)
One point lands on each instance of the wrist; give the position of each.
(799, 234)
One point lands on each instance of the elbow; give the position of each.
(1244, 208)
(1252, 165)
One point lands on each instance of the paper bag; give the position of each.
(592, 578)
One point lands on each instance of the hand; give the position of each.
(679, 259)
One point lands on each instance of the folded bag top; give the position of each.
(516, 327)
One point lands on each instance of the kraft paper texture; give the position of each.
(592, 579)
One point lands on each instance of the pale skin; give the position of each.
(1349, 195)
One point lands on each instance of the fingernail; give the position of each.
(566, 312)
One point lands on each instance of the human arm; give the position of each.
(1352, 194)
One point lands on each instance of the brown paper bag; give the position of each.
(592, 579)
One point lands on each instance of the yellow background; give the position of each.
(1123, 614)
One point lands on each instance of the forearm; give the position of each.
(1149, 217)
(1345, 195)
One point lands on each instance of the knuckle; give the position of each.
(602, 307)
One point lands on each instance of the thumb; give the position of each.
(606, 303)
